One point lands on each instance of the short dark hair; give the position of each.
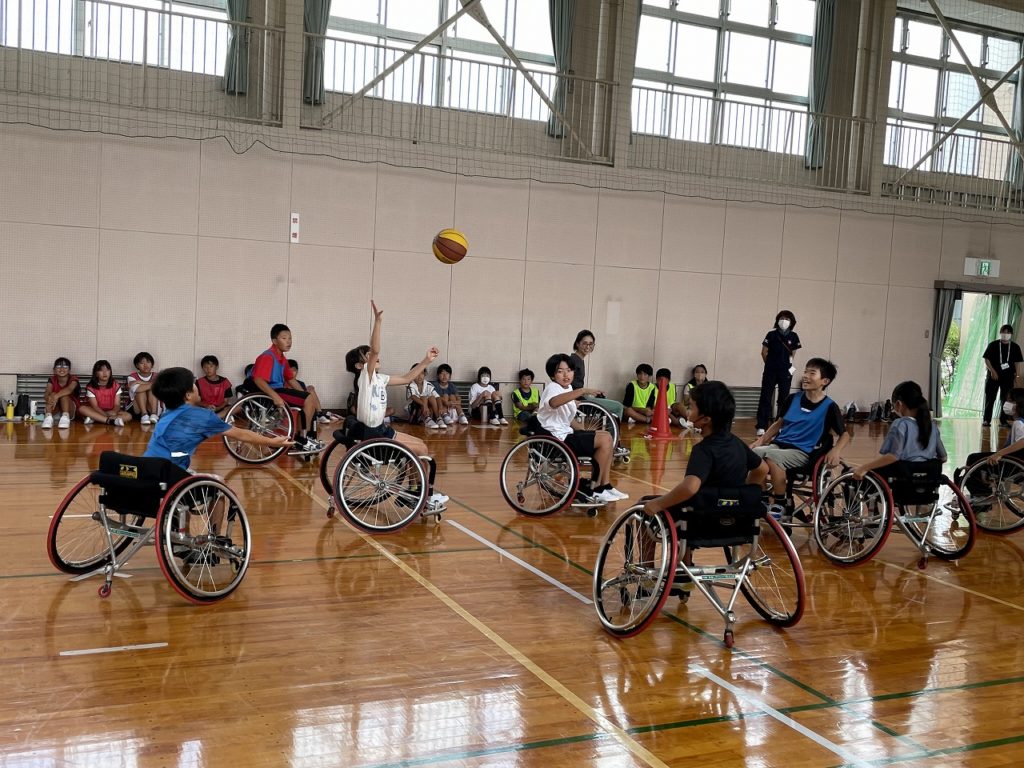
(1017, 396)
(1006, 329)
(526, 372)
(714, 400)
(209, 359)
(826, 368)
(481, 371)
(663, 373)
(355, 356)
(277, 329)
(293, 364)
(248, 370)
(142, 356)
(788, 315)
(581, 336)
(62, 361)
(645, 368)
(171, 386)
(444, 367)
(556, 360)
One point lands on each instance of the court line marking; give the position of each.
(789, 722)
(950, 584)
(113, 649)
(536, 571)
(626, 741)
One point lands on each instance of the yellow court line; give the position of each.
(623, 738)
(918, 572)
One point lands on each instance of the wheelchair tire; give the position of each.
(951, 530)
(329, 460)
(996, 494)
(257, 413)
(595, 417)
(852, 519)
(203, 540)
(775, 585)
(380, 486)
(76, 541)
(539, 476)
(635, 567)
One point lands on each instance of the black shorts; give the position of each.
(581, 442)
(296, 397)
(362, 432)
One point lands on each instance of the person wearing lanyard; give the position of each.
(1003, 360)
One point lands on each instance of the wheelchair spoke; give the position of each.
(995, 493)
(774, 584)
(539, 476)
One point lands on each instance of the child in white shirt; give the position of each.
(142, 401)
(484, 393)
(424, 404)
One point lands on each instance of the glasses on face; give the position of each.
(587, 344)
(61, 365)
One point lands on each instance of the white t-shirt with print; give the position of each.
(557, 421)
(427, 390)
(372, 403)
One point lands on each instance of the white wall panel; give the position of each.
(624, 325)
(687, 328)
(336, 201)
(629, 226)
(812, 302)
(865, 247)
(960, 240)
(412, 207)
(858, 333)
(693, 234)
(557, 305)
(905, 352)
(244, 196)
(753, 239)
(916, 247)
(810, 243)
(493, 213)
(563, 224)
(745, 313)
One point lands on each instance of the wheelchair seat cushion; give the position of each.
(914, 482)
(134, 483)
(532, 427)
(718, 517)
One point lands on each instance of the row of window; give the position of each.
(717, 71)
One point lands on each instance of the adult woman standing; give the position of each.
(777, 353)
(1003, 360)
(582, 347)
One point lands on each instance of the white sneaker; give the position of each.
(494, 422)
(442, 424)
(65, 421)
(759, 433)
(504, 421)
(606, 497)
(154, 418)
(463, 419)
(144, 421)
(118, 422)
(87, 421)
(448, 420)
(48, 421)
(438, 497)
(430, 424)
(618, 494)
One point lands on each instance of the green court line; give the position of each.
(445, 757)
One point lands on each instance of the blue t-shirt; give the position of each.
(902, 442)
(448, 389)
(179, 433)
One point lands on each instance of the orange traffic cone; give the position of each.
(659, 429)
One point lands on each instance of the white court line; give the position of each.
(505, 553)
(114, 649)
(847, 756)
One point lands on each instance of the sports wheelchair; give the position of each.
(995, 493)
(256, 412)
(379, 485)
(803, 489)
(643, 559)
(202, 536)
(853, 518)
(594, 417)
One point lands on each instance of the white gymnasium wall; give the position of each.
(112, 245)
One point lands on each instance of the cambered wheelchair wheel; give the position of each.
(774, 586)
(596, 418)
(853, 518)
(77, 541)
(380, 486)
(996, 494)
(539, 476)
(945, 527)
(635, 566)
(203, 540)
(257, 413)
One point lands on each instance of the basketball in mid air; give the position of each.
(450, 246)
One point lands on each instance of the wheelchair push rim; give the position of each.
(853, 518)
(996, 494)
(635, 567)
(774, 585)
(380, 486)
(203, 541)
(257, 413)
(539, 476)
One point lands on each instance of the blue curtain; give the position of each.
(236, 68)
(314, 22)
(562, 13)
(821, 66)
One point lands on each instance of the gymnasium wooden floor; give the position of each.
(432, 647)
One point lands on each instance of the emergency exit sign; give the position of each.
(981, 267)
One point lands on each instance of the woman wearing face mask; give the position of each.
(777, 353)
(1003, 360)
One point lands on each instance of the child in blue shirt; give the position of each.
(186, 424)
(912, 438)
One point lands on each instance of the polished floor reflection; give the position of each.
(439, 646)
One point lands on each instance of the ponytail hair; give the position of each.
(909, 393)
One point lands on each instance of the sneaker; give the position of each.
(619, 495)
(154, 418)
(503, 421)
(48, 421)
(144, 421)
(430, 424)
(87, 421)
(606, 496)
(438, 497)
(436, 502)
(118, 422)
(65, 421)
(448, 420)
(463, 419)
(759, 433)
(494, 422)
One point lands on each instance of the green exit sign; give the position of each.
(984, 268)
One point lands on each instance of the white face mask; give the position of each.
(485, 380)
(783, 324)
(1008, 409)
(1004, 337)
